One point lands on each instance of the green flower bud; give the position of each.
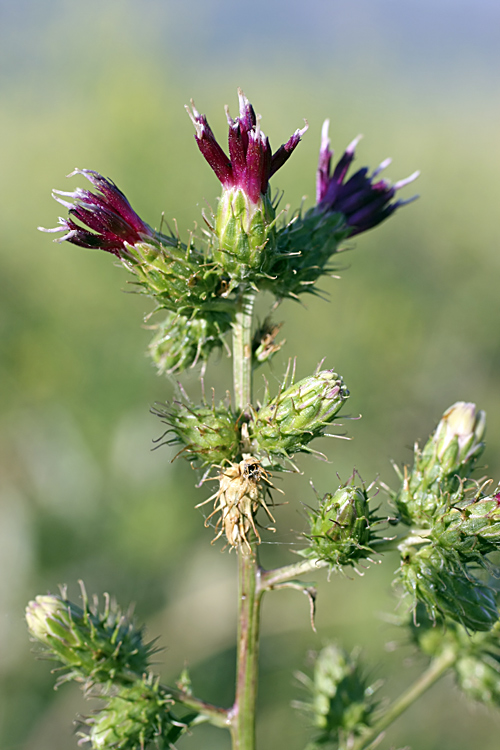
(342, 700)
(182, 342)
(135, 718)
(447, 590)
(96, 647)
(246, 233)
(341, 530)
(471, 530)
(209, 435)
(287, 423)
(479, 679)
(448, 456)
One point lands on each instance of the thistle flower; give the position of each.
(244, 225)
(363, 201)
(109, 221)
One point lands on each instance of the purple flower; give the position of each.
(251, 163)
(364, 202)
(109, 222)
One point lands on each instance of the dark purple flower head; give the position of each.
(251, 163)
(364, 202)
(107, 217)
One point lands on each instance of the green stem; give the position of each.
(435, 671)
(242, 715)
(214, 714)
(242, 350)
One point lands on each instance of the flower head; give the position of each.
(251, 163)
(363, 201)
(108, 219)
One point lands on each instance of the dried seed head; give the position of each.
(242, 490)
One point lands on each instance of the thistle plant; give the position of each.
(443, 520)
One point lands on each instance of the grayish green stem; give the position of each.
(213, 714)
(242, 715)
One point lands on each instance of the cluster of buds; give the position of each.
(242, 491)
(93, 646)
(342, 700)
(209, 434)
(138, 716)
(342, 528)
(439, 469)
(287, 423)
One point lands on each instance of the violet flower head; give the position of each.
(251, 162)
(363, 201)
(108, 220)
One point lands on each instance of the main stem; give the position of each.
(242, 715)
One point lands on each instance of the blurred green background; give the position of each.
(413, 325)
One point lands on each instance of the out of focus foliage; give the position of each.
(412, 325)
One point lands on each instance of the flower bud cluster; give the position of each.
(342, 700)
(95, 647)
(342, 528)
(137, 716)
(209, 435)
(451, 533)
(286, 424)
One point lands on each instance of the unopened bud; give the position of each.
(298, 414)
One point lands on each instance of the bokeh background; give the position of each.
(413, 325)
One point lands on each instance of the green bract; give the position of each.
(286, 424)
(304, 247)
(246, 234)
(471, 530)
(341, 529)
(210, 435)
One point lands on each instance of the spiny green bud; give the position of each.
(448, 456)
(342, 528)
(446, 589)
(342, 700)
(479, 679)
(94, 646)
(471, 530)
(182, 342)
(179, 278)
(209, 435)
(137, 717)
(304, 247)
(286, 424)
(246, 233)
